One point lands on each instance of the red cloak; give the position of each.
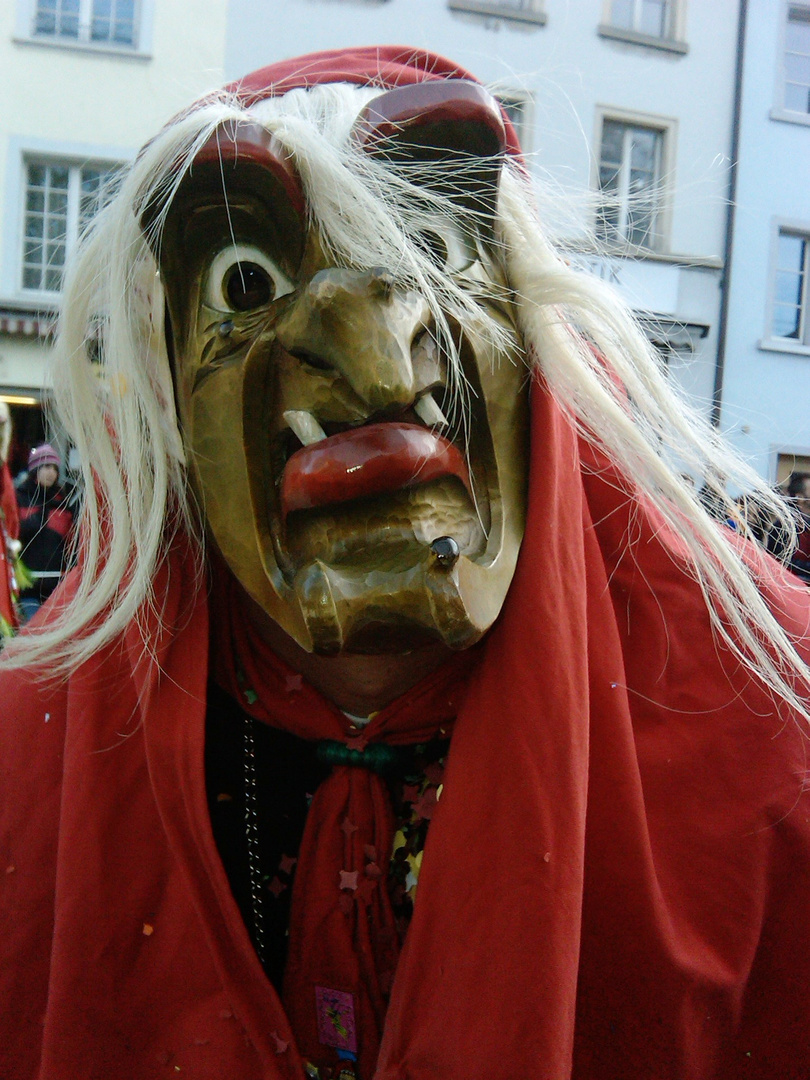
(616, 880)
(9, 530)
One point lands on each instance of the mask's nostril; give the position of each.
(311, 359)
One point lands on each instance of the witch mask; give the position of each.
(358, 452)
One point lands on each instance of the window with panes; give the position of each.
(60, 200)
(797, 59)
(516, 107)
(630, 183)
(653, 17)
(494, 7)
(789, 317)
(95, 22)
(518, 5)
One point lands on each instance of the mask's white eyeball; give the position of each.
(448, 246)
(242, 278)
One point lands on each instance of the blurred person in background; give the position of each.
(767, 529)
(47, 518)
(9, 530)
(798, 491)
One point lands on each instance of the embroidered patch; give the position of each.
(336, 1026)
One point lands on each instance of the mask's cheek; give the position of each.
(503, 453)
(220, 474)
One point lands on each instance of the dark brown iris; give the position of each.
(248, 286)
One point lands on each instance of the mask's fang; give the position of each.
(428, 411)
(305, 426)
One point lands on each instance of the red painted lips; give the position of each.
(366, 461)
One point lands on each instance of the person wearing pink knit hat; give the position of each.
(46, 527)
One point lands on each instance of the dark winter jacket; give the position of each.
(46, 524)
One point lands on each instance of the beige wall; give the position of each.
(91, 102)
(95, 97)
(22, 361)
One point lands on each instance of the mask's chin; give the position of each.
(367, 578)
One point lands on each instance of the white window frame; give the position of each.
(672, 40)
(667, 127)
(521, 100)
(142, 34)
(780, 110)
(785, 459)
(770, 342)
(523, 11)
(21, 153)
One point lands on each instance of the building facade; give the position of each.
(624, 108)
(85, 83)
(765, 398)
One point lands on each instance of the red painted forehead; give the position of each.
(386, 66)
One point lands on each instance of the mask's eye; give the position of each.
(448, 247)
(247, 286)
(243, 278)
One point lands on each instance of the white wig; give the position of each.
(5, 432)
(120, 412)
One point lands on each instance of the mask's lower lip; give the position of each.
(367, 461)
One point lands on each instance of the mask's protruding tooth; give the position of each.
(427, 409)
(305, 426)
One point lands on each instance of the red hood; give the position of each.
(385, 66)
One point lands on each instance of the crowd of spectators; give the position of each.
(771, 533)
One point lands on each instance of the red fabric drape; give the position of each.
(9, 530)
(339, 940)
(615, 883)
(8, 503)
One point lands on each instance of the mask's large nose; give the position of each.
(361, 325)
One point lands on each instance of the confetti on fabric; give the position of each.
(293, 683)
(348, 879)
(276, 887)
(424, 807)
(287, 864)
